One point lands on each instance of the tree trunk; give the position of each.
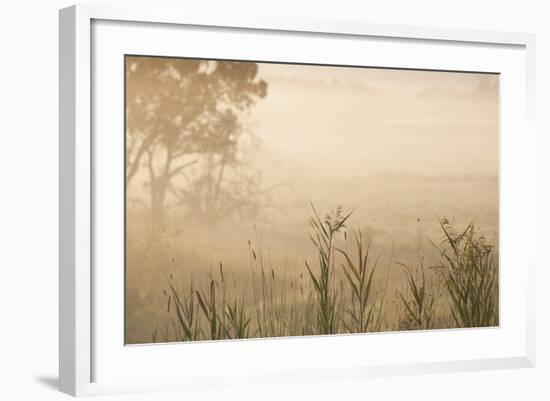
(158, 198)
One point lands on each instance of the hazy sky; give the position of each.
(379, 120)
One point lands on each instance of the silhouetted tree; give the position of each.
(180, 112)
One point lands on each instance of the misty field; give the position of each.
(269, 200)
(218, 283)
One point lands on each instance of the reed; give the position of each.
(208, 305)
(323, 300)
(324, 232)
(188, 318)
(470, 274)
(359, 279)
(238, 322)
(420, 308)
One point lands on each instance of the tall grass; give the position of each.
(420, 307)
(360, 279)
(323, 299)
(238, 321)
(188, 318)
(264, 292)
(470, 273)
(322, 237)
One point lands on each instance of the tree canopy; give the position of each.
(184, 112)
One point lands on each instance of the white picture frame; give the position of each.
(86, 351)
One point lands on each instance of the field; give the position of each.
(271, 200)
(386, 273)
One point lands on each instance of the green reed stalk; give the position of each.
(470, 273)
(421, 307)
(360, 280)
(323, 235)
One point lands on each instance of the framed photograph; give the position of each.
(278, 200)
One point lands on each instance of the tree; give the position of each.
(183, 112)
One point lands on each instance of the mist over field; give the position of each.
(227, 162)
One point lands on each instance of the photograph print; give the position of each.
(271, 199)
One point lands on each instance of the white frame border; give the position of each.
(75, 173)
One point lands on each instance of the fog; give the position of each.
(399, 149)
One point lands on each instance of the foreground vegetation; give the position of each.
(336, 294)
